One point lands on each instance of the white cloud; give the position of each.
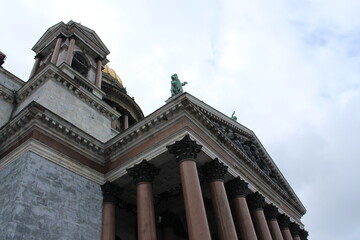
(290, 70)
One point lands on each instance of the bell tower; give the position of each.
(74, 49)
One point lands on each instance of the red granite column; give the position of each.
(303, 234)
(256, 202)
(214, 173)
(98, 72)
(237, 192)
(295, 231)
(271, 214)
(110, 194)
(167, 224)
(70, 51)
(186, 152)
(38, 58)
(143, 175)
(284, 222)
(56, 51)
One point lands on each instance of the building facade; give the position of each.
(78, 159)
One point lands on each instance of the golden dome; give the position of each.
(112, 73)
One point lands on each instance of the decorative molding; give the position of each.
(184, 149)
(273, 178)
(143, 172)
(80, 91)
(214, 170)
(52, 156)
(124, 139)
(236, 187)
(36, 112)
(6, 94)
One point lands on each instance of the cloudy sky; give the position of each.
(289, 68)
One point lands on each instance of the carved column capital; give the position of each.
(143, 172)
(303, 234)
(110, 192)
(214, 170)
(184, 149)
(271, 212)
(236, 187)
(294, 229)
(61, 35)
(256, 201)
(283, 221)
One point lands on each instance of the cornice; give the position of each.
(126, 99)
(13, 77)
(206, 117)
(53, 156)
(35, 114)
(82, 92)
(119, 142)
(6, 94)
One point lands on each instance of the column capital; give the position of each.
(256, 201)
(61, 35)
(303, 234)
(38, 56)
(214, 170)
(99, 58)
(283, 221)
(73, 36)
(294, 229)
(271, 212)
(143, 172)
(110, 192)
(184, 149)
(236, 187)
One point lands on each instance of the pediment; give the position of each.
(86, 34)
(220, 137)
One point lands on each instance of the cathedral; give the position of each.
(79, 160)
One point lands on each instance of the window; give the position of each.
(80, 64)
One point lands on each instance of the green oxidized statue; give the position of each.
(233, 117)
(176, 85)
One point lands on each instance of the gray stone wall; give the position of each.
(61, 101)
(8, 81)
(41, 200)
(5, 112)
